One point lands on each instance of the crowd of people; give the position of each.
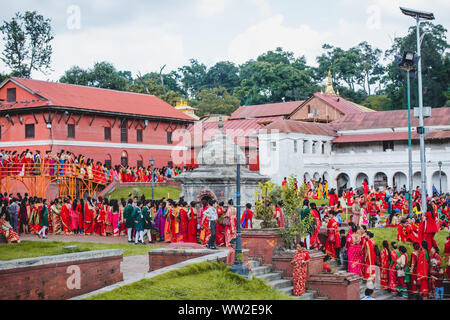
(418, 273)
(65, 163)
(208, 222)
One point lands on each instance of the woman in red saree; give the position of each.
(413, 267)
(422, 270)
(369, 258)
(220, 232)
(65, 217)
(278, 215)
(430, 229)
(333, 240)
(80, 210)
(230, 231)
(192, 224)
(88, 217)
(314, 240)
(385, 259)
(393, 267)
(184, 222)
(300, 262)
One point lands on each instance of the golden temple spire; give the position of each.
(329, 89)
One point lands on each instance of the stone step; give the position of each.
(278, 284)
(270, 276)
(254, 263)
(307, 296)
(260, 270)
(287, 290)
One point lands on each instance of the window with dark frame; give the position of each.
(29, 131)
(11, 95)
(140, 163)
(124, 132)
(169, 138)
(108, 133)
(108, 164)
(139, 135)
(71, 131)
(388, 145)
(124, 161)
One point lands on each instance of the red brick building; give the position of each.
(109, 126)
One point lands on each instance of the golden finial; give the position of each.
(329, 89)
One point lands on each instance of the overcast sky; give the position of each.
(141, 36)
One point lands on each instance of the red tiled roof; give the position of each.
(287, 126)
(341, 104)
(266, 110)
(81, 97)
(233, 128)
(390, 119)
(391, 136)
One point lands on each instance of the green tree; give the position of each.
(193, 77)
(215, 101)
(369, 66)
(102, 75)
(223, 74)
(379, 102)
(76, 75)
(292, 204)
(27, 43)
(435, 67)
(263, 208)
(275, 76)
(3, 77)
(154, 87)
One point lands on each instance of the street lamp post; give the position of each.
(408, 62)
(440, 177)
(418, 16)
(238, 266)
(152, 163)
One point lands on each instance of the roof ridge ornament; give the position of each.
(329, 89)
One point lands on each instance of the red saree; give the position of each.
(384, 269)
(300, 271)
(333, 240)
(422, 273)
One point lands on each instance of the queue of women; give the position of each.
(419, 273)
(65, 163)
(162, 220)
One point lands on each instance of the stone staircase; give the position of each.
(379, 294)
(275, 280)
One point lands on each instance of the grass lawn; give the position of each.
(390, 234)
(32, 249)
(160, 192)
(203, 281)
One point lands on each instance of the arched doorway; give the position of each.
(380, 181)
(343, 182)
(417, 180)
(206, 195)
(359, 179)
(399, 180)
(316, 176)
(443, 181)
(307, 177)
(124, 159)
(326, 176)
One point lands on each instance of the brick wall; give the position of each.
(53, 278)
(161, 258)
(344, 286)
(261, 243)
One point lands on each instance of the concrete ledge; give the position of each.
(59, 277)
(216, 256)
(62, 258)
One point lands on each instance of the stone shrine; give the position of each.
(215, 178)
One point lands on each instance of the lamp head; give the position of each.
(152, 161)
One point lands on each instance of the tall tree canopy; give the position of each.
(27, 43)
(435, 68)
